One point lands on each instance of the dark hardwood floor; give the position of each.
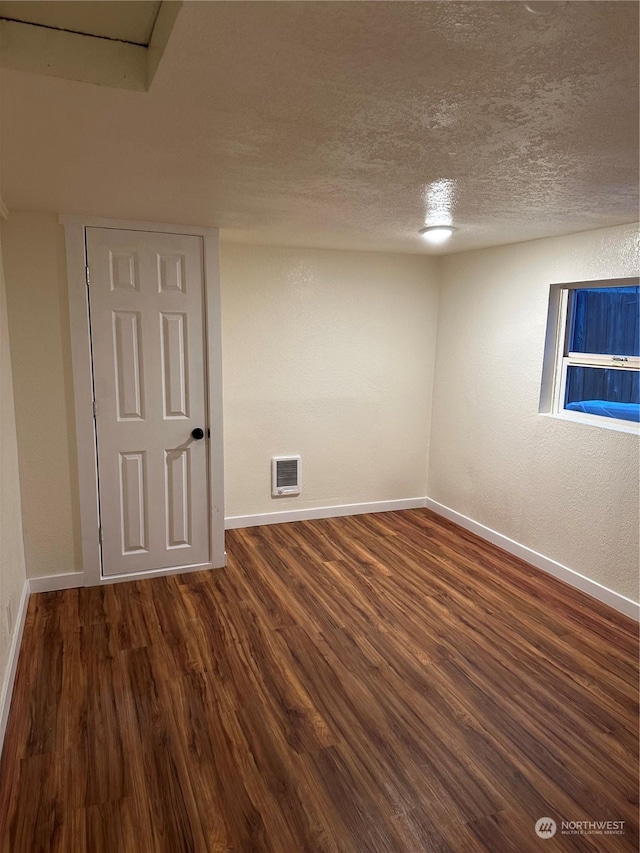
(368, 684)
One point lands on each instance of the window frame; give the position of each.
(558, 359)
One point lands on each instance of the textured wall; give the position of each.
(567, 490)
(12, 568)
(330, 355)
(36, 283)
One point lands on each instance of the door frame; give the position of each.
(87, 461)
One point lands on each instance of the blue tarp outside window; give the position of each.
(604, 321)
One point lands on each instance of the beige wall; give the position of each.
(329, 355)
(564, 489)
(12, 567)
(35, 273)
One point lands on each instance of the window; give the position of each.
(592, 357)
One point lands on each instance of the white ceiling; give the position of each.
(349, 124)
(125, 20)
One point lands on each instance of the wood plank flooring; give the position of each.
(368, 684)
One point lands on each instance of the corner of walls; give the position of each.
(438, 266)
(12, 661)
(14, 587)
(38, 318)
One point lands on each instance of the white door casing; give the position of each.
(153, 301)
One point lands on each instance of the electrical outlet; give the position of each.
(9, 616)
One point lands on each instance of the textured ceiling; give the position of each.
(349, 124)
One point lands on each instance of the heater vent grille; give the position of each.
(285, 475)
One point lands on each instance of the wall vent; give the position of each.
(285, 476)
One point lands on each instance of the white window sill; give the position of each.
(594, 420)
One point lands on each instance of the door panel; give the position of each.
(147, 329)
(133, 502)
(178, 497)
(175, 365)
(126, 346)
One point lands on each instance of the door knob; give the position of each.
(197, 433)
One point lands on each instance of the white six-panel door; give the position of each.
(146, 306)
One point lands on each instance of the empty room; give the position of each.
(319, 420)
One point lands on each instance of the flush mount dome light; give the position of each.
(437, 234)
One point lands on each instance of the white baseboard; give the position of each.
(546, 564)
(563, 573)
(12, 663)
(50, 583)
(234, 521)
(72, 580)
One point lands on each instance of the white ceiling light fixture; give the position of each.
(437, 234)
